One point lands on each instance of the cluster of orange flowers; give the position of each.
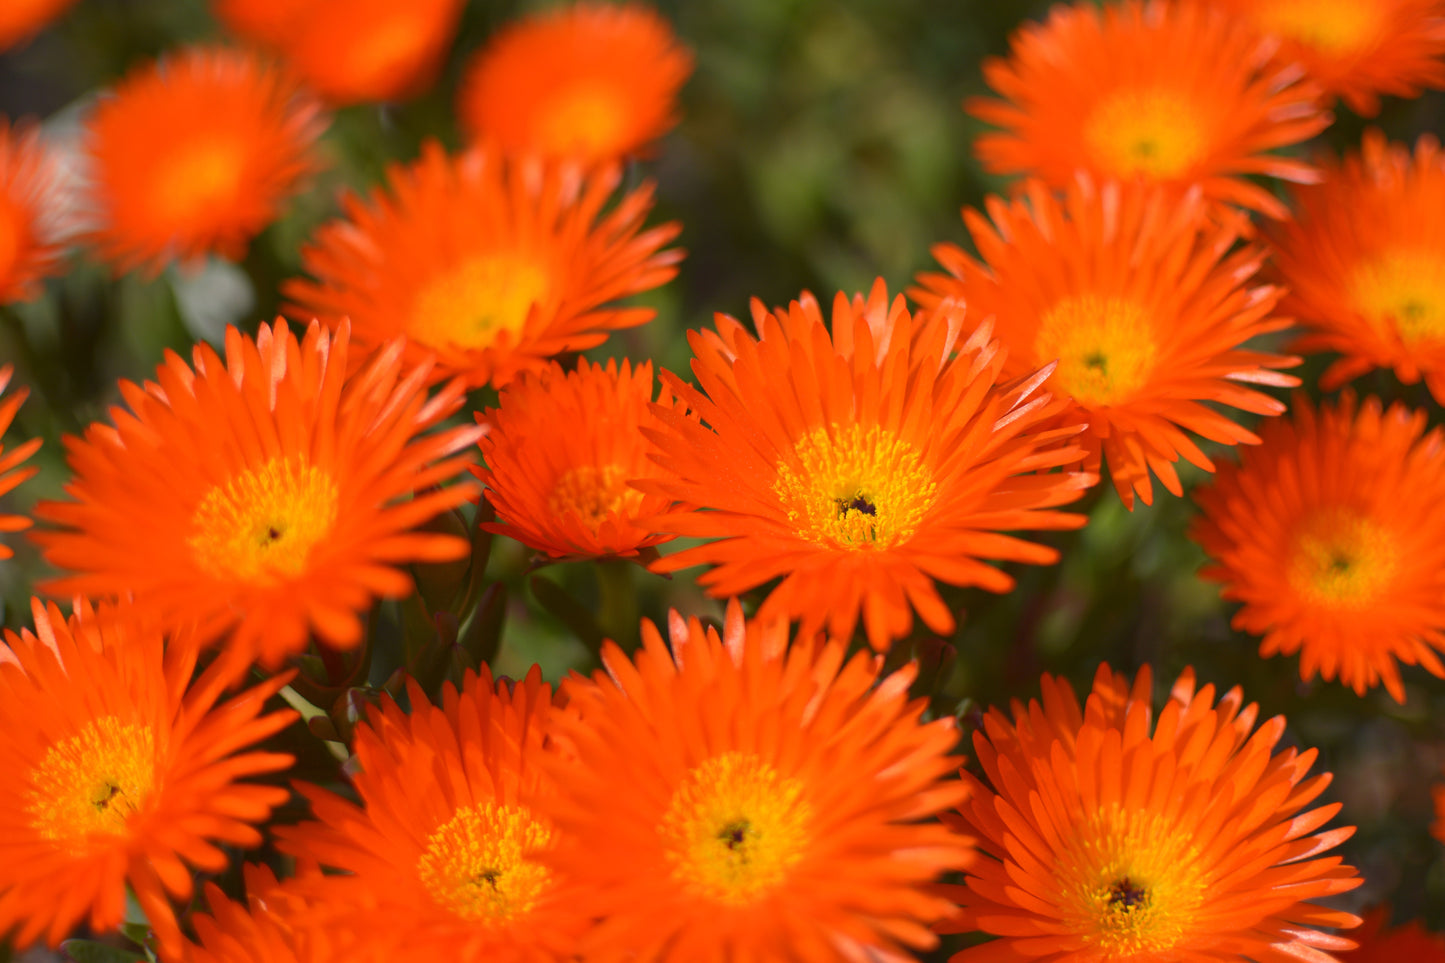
(766, 789)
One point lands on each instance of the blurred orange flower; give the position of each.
(194, 154)
(730, 800)
(1364, 260)
(11, 472)
(490, 265)
(120, 770)
(1176, 93)
(591, 81)
(1407, 943)
(266, 494)
(1144, 303)
(448, 855)
(1105, 840)
(276, 924)
(28, 248)
(560, 451)
(22, 19)
(860, 466)
(1332, 534)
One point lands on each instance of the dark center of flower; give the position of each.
(1413, 310)
(1340, 564)
(1145, 148)
(488, 876)
(272, 534)
(104, 794)
(1126, 893)
(858, 503)
(734, 836)
(1098, 361)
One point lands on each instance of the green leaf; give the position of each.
(87, 951)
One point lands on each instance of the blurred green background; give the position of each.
(822, 144)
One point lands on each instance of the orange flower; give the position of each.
(1365, 263)
(1408, 942)
(561, 450)
(363, 50)
(1143, 302)
(277, 924)
(730, 800)
(11, 474)
(194, 154)
(120, 770)
(1357, 49)
(1105, 840)
(28, 248)
(446, 856)
(1332, 534)
(859, 467)
(261, 493)
(21, 19)
(492, 266)
(592, 81)
(1174, 93)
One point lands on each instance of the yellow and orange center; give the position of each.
(198, 179)
(1129, 883)
(1334, 27)
(593, 494)
(261, 526)
(1403, 291)
(1152, 131)
(735, 828)
(92, 783)
(855, 487)
(471, 304)
(587, 119)
(479, 865)
(1105, 347)
(1343, 559)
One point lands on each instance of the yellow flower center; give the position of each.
(1104, 345)
(1403, 291)
(1148, 130)
(93, 782)
(855, 488)
(479, 864)
(197, 179)
(1129, 883)
(1331, 26)
(470, 305)
(262, 524)
(1343, 559)
(587, 119)
(592, 494)
(734, 829)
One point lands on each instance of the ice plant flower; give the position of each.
(1364, 260)
(1356, 49)
(447, 854)
(733, 799)
(266, 494)
(276, 924)
(21, 19)
(194, 154)
(1330, 534)
(351, 51)
(591, 81)
(1394, 944)
(1175, 93)
(13, 470)
(491, 265)
(560, 452)
(859, 466)
(1112, 835)
(1144, 302)
(121, 769)
(28, 248)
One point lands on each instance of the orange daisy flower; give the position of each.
(22, 19)
(561, 450)
(706, 816)
(1409, 941)
(120, 770)
(1143, 301)
(28, 248)
(1108, 838)
(859, 467)
(194, 154)
(490, 265)
(265, 494)
(278, 923)
(446, 855)
(1332, 534)
(592, 82)
(1364, 260)
(1175, 93)
(11, 472)
(1356, 49)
